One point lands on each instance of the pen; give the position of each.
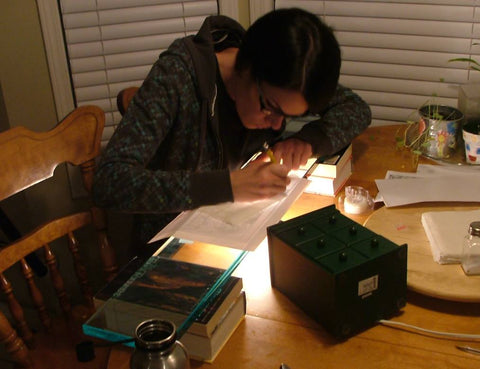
(252, 158)
(268, 150)
(271, 156)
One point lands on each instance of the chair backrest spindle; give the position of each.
(16, 311)
(36, 295)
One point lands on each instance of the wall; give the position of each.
(23, 67)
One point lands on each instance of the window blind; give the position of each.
(395, 53)
(112, 44)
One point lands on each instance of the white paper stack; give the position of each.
(435, 183)
(237, 225)
(445, 231)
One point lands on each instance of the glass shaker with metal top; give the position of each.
(156, 347)
(471, 250)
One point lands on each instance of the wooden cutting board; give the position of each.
(403, 225)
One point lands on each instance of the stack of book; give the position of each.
(328, 175)
(170, 289)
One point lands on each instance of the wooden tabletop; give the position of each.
(275, 330)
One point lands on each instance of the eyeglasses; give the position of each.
(270, 110)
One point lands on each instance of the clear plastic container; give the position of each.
(471, 250)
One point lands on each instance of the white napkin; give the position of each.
(446, 230)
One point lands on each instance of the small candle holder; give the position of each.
(355, 200)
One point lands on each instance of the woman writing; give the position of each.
(214, 99)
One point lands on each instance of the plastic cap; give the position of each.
(474, 228)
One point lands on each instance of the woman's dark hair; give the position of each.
(293, 49)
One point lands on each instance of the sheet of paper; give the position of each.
(396, 192)
(392, 174)
(402, 193)
(238, 213)
(238, 225)
(450, 170)
(427, 170)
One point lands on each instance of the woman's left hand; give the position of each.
(293, 152)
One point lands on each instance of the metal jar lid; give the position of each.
(474, 228)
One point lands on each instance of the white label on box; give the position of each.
(368, 285)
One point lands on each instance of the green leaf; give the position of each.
(467, 60)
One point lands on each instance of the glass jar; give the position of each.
(471, 250)
(156, 347)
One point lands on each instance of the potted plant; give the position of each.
(435, 132)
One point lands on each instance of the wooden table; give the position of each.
(275, 330)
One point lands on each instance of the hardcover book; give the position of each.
(328, 186)
(330, 167)
(118, 281)
(207, 348)
(167, 289)
(328, 175)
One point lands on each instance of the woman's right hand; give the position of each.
(259, 180)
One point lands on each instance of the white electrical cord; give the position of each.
(437, 333)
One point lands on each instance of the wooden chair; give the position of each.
(124, 97)
(26, 158)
